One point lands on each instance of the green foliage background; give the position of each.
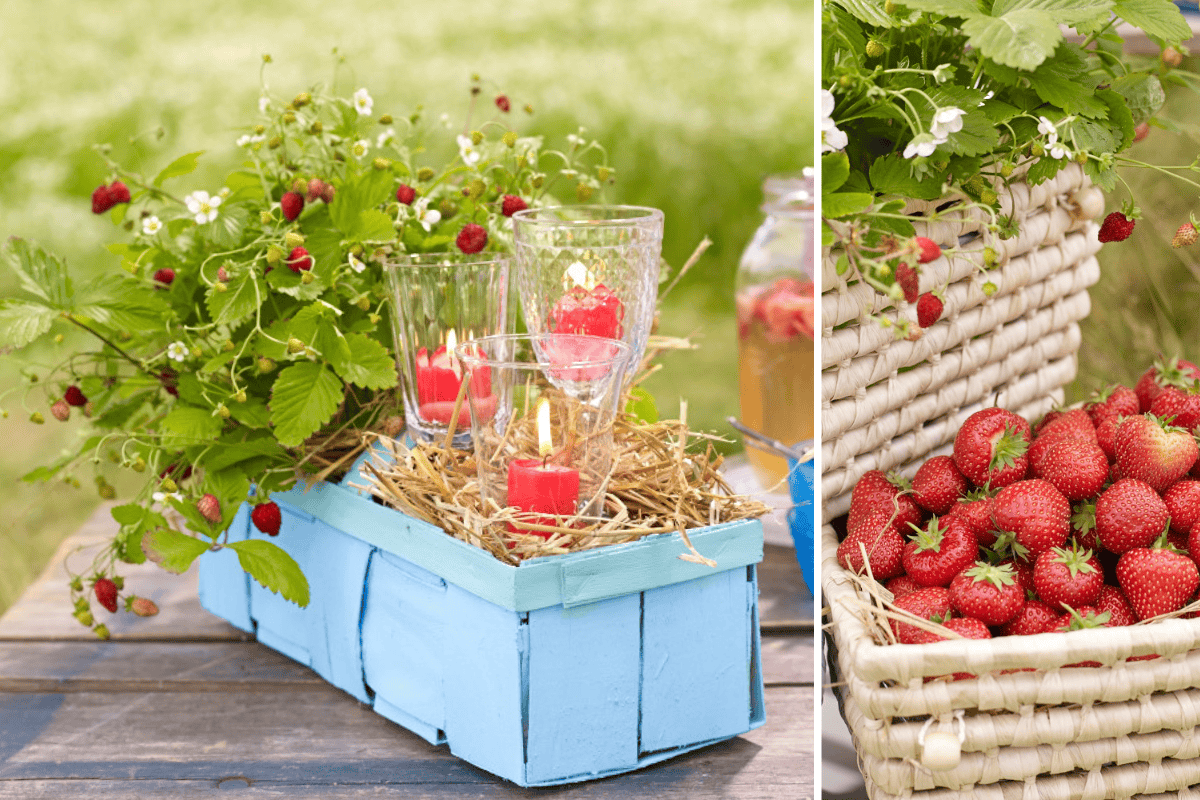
(696, 102)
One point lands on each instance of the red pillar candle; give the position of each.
(438, 379)
(538, 487)
(542, 488)
(597, 312)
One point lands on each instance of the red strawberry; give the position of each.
(938, 484)
(170, 382)
(209, 508)
(938, 552)
(406, 194)
(987, 592)
(929, 309)
(267, 518)
(902, 585)
(315, 186)
(1023, 570)
(1113, 401)
(143, 606)
(975, 510)
(106, 593)
(299, 260)
(1151, 450)
(928, 249)
(1113, 601)
(119, 192)
(60, 410)
(102, 199)
(990, 447)
(1157, 580)
(1183, 504)
(1077, 468)
(75, 397)
(1115, 228)
(327, 193)
(1106, 436)
(930, 603)
(1068, 577)
(511, 205)
(472, 238)
(1073, 424)
(292, 203)
(1179, 406)
(1033, 617)
(165, 276)
(502, 103)
(1164, 372)
(1129, 515)
(1037, 515)
(1193, 543)
(908, 281)
(876, 488)
(884, 546)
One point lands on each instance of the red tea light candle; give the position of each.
(538, 487)
(438, 380)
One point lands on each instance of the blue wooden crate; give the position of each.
(566, 668)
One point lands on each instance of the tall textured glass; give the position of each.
(776, 321)
(590, 270)
(438, 301)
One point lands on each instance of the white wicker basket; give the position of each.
(1124, 729)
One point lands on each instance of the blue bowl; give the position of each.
(800, 518)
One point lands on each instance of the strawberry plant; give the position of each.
(244, 339)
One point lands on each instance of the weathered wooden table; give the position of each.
(183, 705)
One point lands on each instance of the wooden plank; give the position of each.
(784, 602)
(315, 741)
(44, 610)
(788, 660)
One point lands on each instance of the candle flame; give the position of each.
(579, 275)
(451, 343)
(543, 428)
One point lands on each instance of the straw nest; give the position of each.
(663, 479)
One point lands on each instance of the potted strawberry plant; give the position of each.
(243, 339)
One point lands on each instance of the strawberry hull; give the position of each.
(564, 669)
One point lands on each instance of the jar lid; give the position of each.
(789, 193)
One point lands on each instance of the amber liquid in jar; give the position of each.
(775, 369)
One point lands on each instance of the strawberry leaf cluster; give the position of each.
(246, 332)
(929, 98)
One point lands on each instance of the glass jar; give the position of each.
(776, 322)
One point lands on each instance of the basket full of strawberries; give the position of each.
(1016, 617)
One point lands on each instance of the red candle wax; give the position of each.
(441, 411)
(547, 489)
(595, 313)
(438, 380)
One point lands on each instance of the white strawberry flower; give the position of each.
(922, 145)
(1060, 151)
(363, 102)
(946, 121)
(264, 103)
(359, 149)
(466, 149)
(832, 138)
(203, 207)
(356, 265)
(387, 137)
(1048, 129)
(224, 193)
(178, 351)
(151, 225)
(428, 217)
(162, 497)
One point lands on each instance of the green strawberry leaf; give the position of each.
(273, 568)
(23, 321)
(641, 405)
(1159, 18)
(242, 297)
(172, 550)
(1021, 38)
(368, 364)
(843, 204)
(835, 169)
(188, 425)
(304, 397)
(184, 165)
(41, 274)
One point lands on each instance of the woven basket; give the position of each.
(1123, 729)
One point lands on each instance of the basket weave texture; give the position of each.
(1031, 726)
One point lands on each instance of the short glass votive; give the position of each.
(546, 451)
(437, 301)
(590, 270)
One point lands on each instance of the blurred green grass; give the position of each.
(1148, 296)
(695, 101)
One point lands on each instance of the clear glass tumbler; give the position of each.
(542, 448)
(590, 270)
(438, 301)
